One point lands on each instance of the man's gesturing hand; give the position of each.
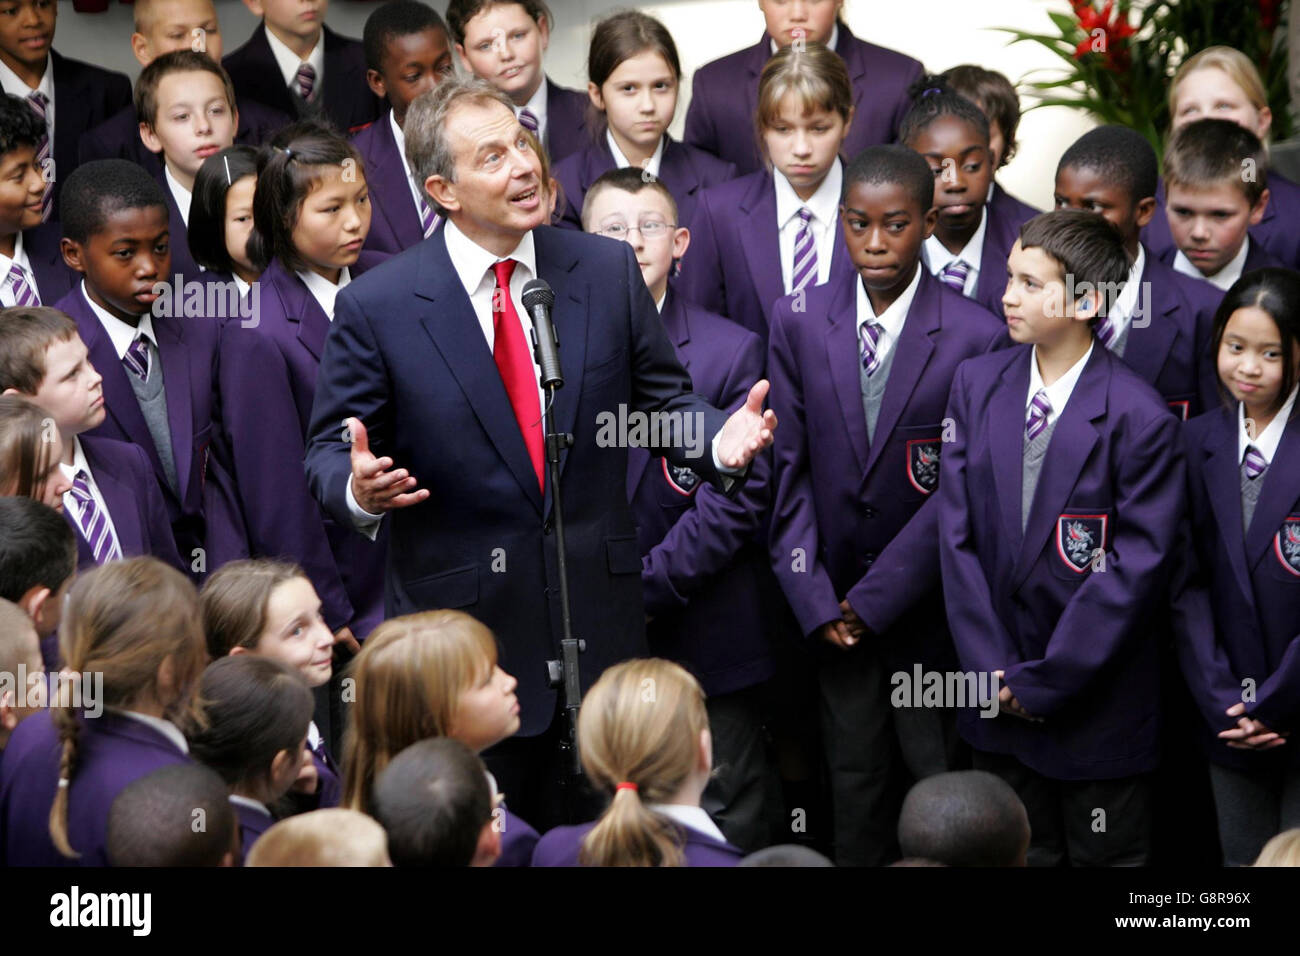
(748, 431)
(376, 488)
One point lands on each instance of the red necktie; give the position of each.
(515, 363)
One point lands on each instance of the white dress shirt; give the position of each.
(164, 727)
(182, 195)
(7, 298)
(891, 320)
(15, 85)
(693, 818)
(1125, 304)
(1267, 441)
(288, 61)
(417, 191)
(825, 206)
(120, 333)
(622, 162)
(322, 290)
(938, 258)
(70, 504)
(1225, 277)
(537, 106)
(1059, 392)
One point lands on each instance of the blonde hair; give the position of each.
(124, 620)
(234, 600)
(1282, 850)
(331, 837)
(816, 75)
(640, 724)
(1232, 62)
(409, 678)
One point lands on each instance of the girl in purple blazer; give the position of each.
(136, 623)
(1238, 622)
(432, 674)
(634, 79)
(655, 761)
(254, 734)
(776, 231)
(221, 216)
(270, 609)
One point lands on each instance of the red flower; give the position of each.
(1268, 13)
(1114, 27)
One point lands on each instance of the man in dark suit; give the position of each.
(427, 359)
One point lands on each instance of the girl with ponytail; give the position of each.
(643, 735)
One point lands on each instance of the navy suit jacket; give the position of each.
(1077, 643)
(187, 349)
(268, 381)
(566, 120)
(118, 137)
(733, 266)
(84, 96)
(702, 562)
(395, 220)
(839, 497)
(684, 169)
(135, 504)
(561, 846)
(54, 279)
(1276, 232)
(346, 99)
(406, 355)
(724, 99)
(1239, 616)
(112, 751)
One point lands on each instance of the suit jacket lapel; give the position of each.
(842, 351)
(300, 307)
(121, 501)
(678, 329)
(1278, 497)
(1223, 485)
(761, 238)
(676, 172)
(391, 184)
(1006, 416)
(1148, 346)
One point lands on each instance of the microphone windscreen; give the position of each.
(537, 292)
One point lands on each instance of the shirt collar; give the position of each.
(249, 802)
(1267, 440)
(15, 85)
(164, 727)
(1058, 393)
(1126, 302)
(834, 39)
(120, 333)
(399, 137)
(19, 257)
(537, 105)
(79, 462)
(313, 735)
(939, 258)
(824, 203)
(288, 61)
(324, 291)
(895, 315)
(693, 818)
(621, 161)
(471, 261)
(1225, 277)
(182, 195)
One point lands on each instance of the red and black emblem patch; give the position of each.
(1079, 538)
(1181, 408)
(1286, 544)
(923, 463)
(681, 480)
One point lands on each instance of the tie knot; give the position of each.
(503, 270)
(805, 214)
(37, 98)
(528, 120)
(1256, 463)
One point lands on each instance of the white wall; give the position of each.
(940, 33)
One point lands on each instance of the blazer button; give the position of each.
(868, 511)
(869, 559)
(548, 527)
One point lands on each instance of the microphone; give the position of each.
(538, 297)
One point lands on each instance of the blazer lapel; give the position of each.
(180, 410)
(842, 351)
(121, 501)
(300, 307)
(676, 171)
(1006, 416)
(1149, 344)
(595, 163)
(71, 109)
(760, 237)
(1278, 497)
(397, 205)
(1223, 484)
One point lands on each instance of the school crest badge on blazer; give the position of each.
(1286, 544)
(923, 463)
(681, 480)
(1078, 538)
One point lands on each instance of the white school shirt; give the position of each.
(322, 290)
(288, 61)
(694, 818)
(1125, 304)
(7, 298)
(182, 195)
(622, 162)
(891, 320)
(1225, 277)
(1059, 392)
(119, 333)
(937, 257)
(252, 804)
(15, 85)
(70, 504)
(825, 206)
(417, 192)
(1267, 441)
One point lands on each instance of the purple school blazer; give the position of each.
(1276, 232)
(518, 840)
(683, 168)
(1000, 234)
(733, 267)
(560, 847)
(112, 752)
(268, 383)
(187, 349)
(395, 222)
(1010, 208)
(1077, 643)
(724, 99)
(566, 120)
(252, 824)
(838, 497)
(54, 279)
(702, 560)
(1238, 616)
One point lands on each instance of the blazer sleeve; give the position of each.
(1277, 701)
(1106, 611)
(700, 129)
(903, 574)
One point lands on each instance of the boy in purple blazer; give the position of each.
(502, 41)
(160, 370)
(164, 26)
(115, 506)
(31, 266)
(702, 560)
(38, 560)
(151, 822)
(864, 371)
(320, 74)
(1211, 203)
(724, 93)
(407, 53)
(68, 96)
(1059, 502)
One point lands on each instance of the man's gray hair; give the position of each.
(428, 141)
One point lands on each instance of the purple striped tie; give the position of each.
(1107, 331)
(1036, 420)
(805, 253)
(38, 102)
(136, 359)
(1256, 463)
(24, 294)
(528, 120)
(954, 275)
(95, 529)
(428, 219)
(306, 81)
(870, 334)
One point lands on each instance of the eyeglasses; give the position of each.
(654, 229)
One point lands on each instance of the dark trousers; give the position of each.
(1080, 822)
(1253, 807)
(743, 792)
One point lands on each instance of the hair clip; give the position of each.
(933, 89)
(63, 783)
(627, 785)
(225, 160)
(288, 153)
